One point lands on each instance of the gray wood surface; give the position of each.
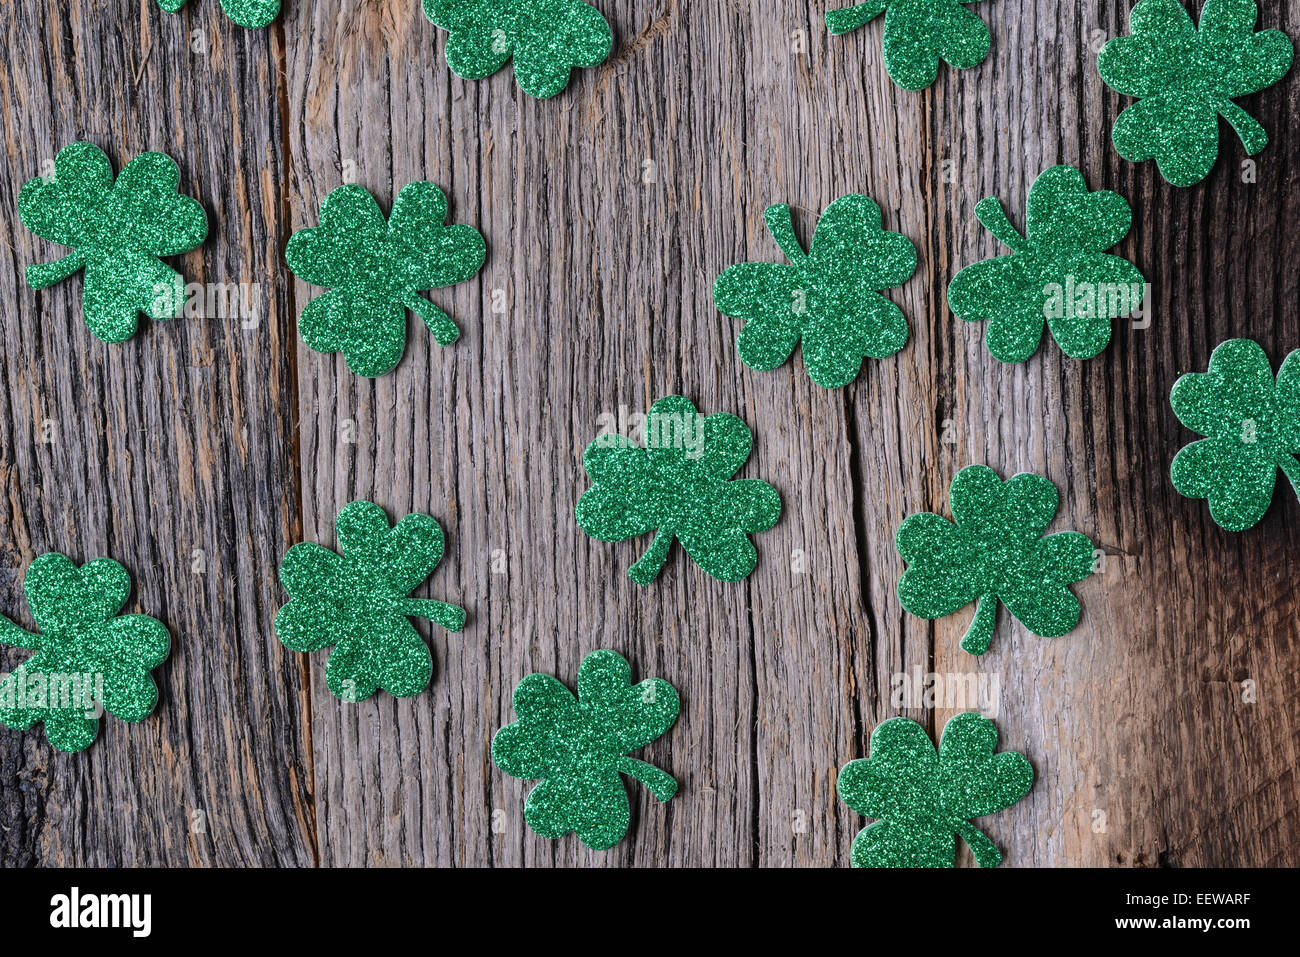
(608, 211)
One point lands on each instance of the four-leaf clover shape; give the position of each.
(1185, 78)
(1253, 426)
(546, 39)
(679, 485)
(1058, 274)
(117, 231)
(246, 13)
(86, 654)
(919, 33)
(375, 270)
(828, 297)
(579, 747)
(357, 602)
(995, 550)
(923, 798)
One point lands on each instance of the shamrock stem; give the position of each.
(850, 18)
(980, 632)
(445, 332)
(985, 851)
(1253, 136)
(661, 783)
(451, 617)
(994, 219)
(42, 275)
(781, 226)
(648, 566)
(15, 637)
(1291, 469)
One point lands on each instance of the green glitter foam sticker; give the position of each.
(86, 654)
(1058, 275)
(994, 551)
(117, 230)
(828, 298)
(375, 269)
(1185, 78)
(579, 747)
(357, 602)
(676, 480)
(918, 34)
(545, 38)
(246, 13)
(1252, 424)
(923, 798)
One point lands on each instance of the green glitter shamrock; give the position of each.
(994, 551)
(579, 747)
(679, 484)
(546, 39)
(923, 799)
(918, 33)
(118, 230)
(375, 269)
(246, 13)
(357, 601)
(1185, 78)
(1253, 428)
(86, 653)
(827, 297)
(1058, 274)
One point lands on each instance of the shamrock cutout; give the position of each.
(679, 485)
(579, 747)
(828, 297)
(1185, 78)
(546, 39)
(918, 33)
(922, 798)
(375, 269)
(246, 13)
(86, 654)
(994, 551)
(1253, 428)
(1058, 273)
(117, 231)
(357, 601)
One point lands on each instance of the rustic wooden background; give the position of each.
(197, 452)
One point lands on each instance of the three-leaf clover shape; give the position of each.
(918, 33)
(117, 231)
(246, 13)
(375, 270)
(995, 550)
(357, 602)
(679, 485)
(86, 654)
(578, 747)
(1058, 274)
(828, 297)
(923, 799)
(1253, 426)
(546, 39)
(1185, 78)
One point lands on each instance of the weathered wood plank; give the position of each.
(1147, 751)
(172, 453)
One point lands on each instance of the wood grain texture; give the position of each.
(608, 212)
(176, 442)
